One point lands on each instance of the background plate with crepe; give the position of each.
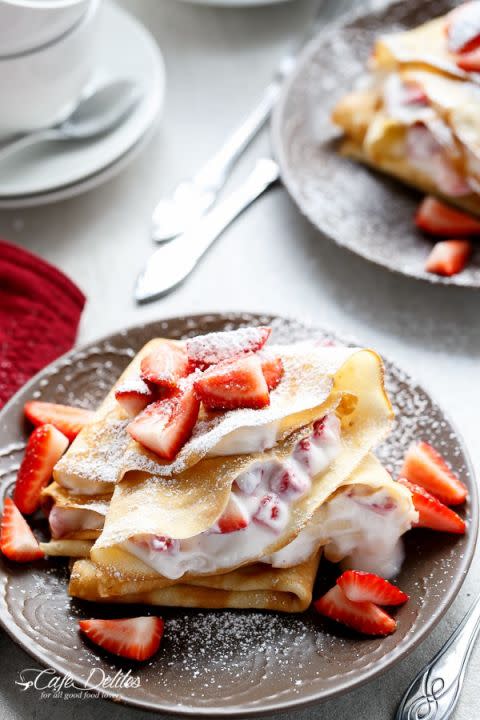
(230, 663)
(366, 212)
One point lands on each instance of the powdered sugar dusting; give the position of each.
(237, 660)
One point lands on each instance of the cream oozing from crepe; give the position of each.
(262, 495)
(360, 526)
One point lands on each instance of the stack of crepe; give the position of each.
(119, 490)
(417, 115)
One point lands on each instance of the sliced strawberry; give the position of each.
(463, 27)
(287, 483)
(365, 617)
(135, 638)
(69, 420)
(213, 348)
(272, 512)
(273, 371)
(17, 541)
(233, 517)
(469, 61)
(439, 219)
(433, 514)
(166, 425)
(45, 447)
(424, 466)
(368, 587)
(165, 366)
(134, 395)
(449, 257)
(233, 384)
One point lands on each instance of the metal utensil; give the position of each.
(192, 198)
(97, 113)
(435, 691)
(173, 262)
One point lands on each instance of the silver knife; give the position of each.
(192, 198)
(174, 261)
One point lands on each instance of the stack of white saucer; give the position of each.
(51, 52)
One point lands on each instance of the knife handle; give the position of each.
(174, 261)
(435, 691)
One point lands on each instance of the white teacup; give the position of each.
(38, 88)
(26, 25)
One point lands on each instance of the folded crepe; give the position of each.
(185, 498)
(257, 585)
(417, 118)
(326, 392)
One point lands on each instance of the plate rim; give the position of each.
(387, 662)
(128, 153)
(277, 126)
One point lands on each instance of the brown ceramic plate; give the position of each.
(226, 663)
(364, 211)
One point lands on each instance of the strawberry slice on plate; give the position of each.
(213, 348)
(273, 371)
(165, 366)
(365, 617)
(449, 257)
(233, 517)
(17, 541)
(45, 447)
(134, 395)
(432, 513)
(234, 384)
(424, 466)
(69, 420)
(166, 425)
(437, 218)
(135, 638)
(368, 587)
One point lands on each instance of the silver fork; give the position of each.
(192, 198)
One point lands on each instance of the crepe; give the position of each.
(418, 117)
(190, 502)
(256, 585)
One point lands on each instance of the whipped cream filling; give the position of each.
(359, 526)
(259, 506)
(247, 440)
(64, 521)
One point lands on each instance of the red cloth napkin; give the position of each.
(40, 309)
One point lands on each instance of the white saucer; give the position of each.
(54, 171)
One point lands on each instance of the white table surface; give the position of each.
(218, 60)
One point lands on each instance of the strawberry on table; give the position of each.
(365, 617)
(166, 425)
(135, 638)
(17, 541)
(45, 447)
(165, 366)
(213, 348)
(234, 384)
(69, 420)
(367, 587)
(433, 514)
(134, 395)
(449, 257)
(441, 220)
(424, 466)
